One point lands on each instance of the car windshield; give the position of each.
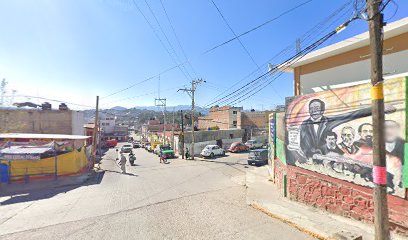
(127, 146)
(256, 153)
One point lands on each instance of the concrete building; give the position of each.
(42, 121)
(347, 62)
(225, 117)
(336, 79)
(107, 122)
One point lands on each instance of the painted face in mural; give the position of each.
(316, 110)
(331, 142)
(366, 132)
(392, 130)
(347, 135)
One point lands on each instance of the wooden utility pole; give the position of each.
(95, 132)
(375, 24)
(182, 135)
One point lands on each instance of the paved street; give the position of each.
(202, 199)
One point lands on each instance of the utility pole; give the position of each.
(375, 25)
(182, 135)
(3, 91)
(161, 102)
(95, 132)
(172, 131)
(191, 93)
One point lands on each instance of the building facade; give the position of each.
(42, 121)
(347, 62)
(225, 117)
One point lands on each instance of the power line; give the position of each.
(315, 31)
(205, 52)
(177, 38)
(280, 67)
(157, 36)
(240, 42)
(259, 26)
(167, 40)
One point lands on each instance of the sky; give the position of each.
(75, 50)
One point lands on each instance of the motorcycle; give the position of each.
(132, 159)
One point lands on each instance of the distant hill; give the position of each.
(118, 108)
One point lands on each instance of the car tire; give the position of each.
(212, 155)
(223, 153)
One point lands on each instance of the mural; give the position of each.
(271, 139)
(330, 132)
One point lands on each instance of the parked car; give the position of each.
(127, 148)
(238, 147)
(253, 144)
(258, 157)
(136, 145)
(212, 151)
(147, 146)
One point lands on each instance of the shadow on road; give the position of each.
(20, 192)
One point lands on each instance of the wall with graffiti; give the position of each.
(331, 133)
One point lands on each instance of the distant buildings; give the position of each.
(42, 121)
(225, 117)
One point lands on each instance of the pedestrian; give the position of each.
(122, 163)
(187, 154)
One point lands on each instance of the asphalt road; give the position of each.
(201, 199)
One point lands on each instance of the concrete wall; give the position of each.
(41, 121)
(322, 80)
(78, 121)
(204, 138)
(212, 135)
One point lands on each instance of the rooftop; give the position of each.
(42, 136)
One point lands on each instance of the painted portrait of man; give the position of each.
(331, 148)
(314, 129)
(347, 136)
(365, 131)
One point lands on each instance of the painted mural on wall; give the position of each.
(330, 132)
(271, 137)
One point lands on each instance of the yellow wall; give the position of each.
(68, 163)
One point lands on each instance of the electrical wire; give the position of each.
(207, 51)
(306, 38)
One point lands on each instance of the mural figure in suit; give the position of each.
(314, 129)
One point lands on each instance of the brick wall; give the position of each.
(248, 120)
(280, 172)
(343, 198)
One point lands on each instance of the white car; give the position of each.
(253, 144)
(127, 148)
(212, 151)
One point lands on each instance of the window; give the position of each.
(234, 112)
(234, 123)
(216, 147)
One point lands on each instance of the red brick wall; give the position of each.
(343, 198)
(280, 172)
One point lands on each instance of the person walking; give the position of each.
(122, 163)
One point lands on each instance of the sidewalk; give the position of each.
(36, 185)
(264, 196)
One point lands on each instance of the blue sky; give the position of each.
(73, 50)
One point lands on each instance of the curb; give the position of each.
(289, 222)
